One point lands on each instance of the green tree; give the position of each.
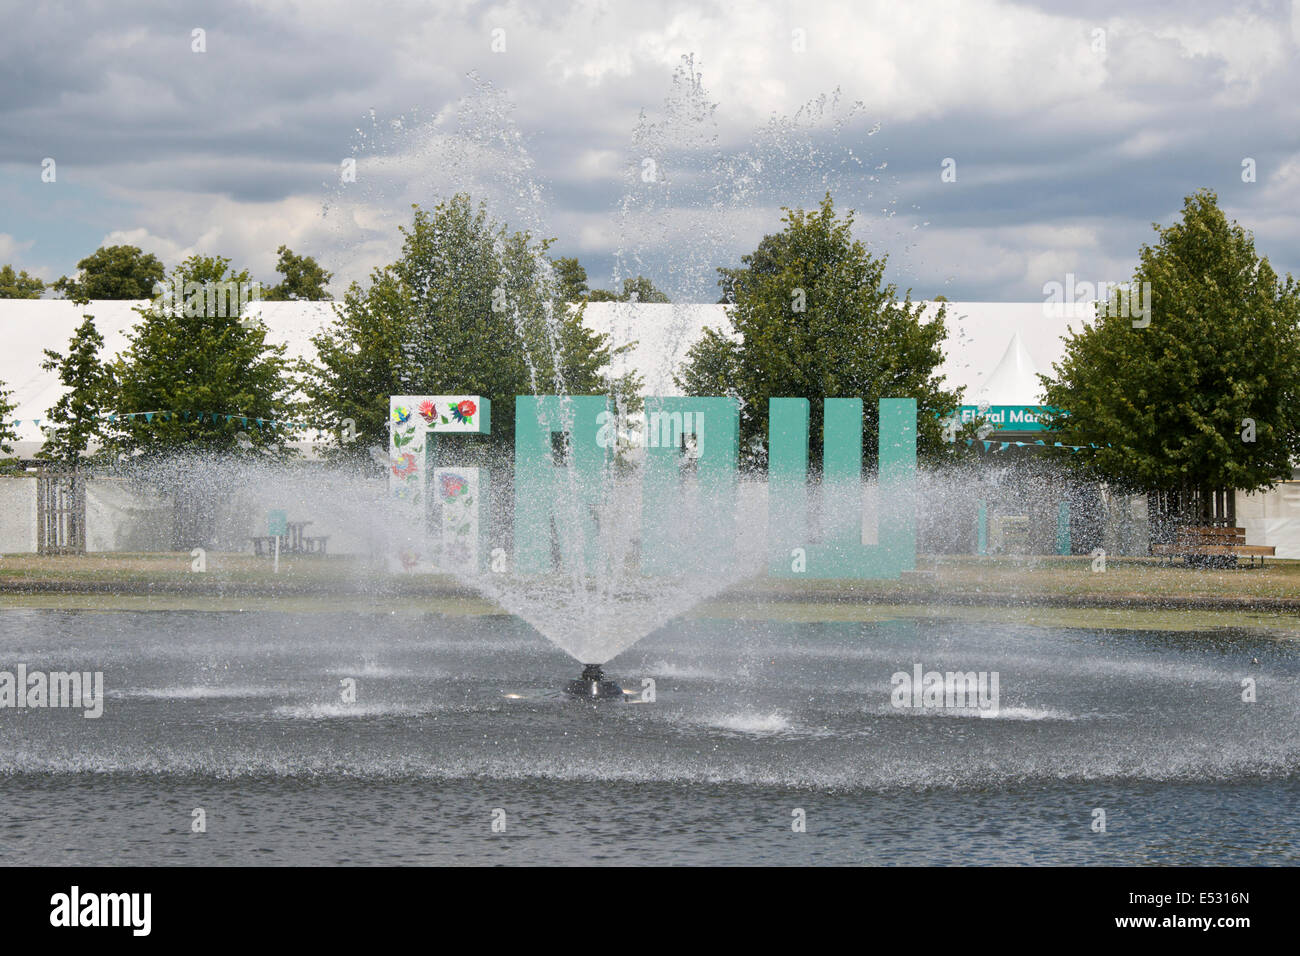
(1203, 398)
(197, 376)
(572, 278)
(469, 307)
(19, 285)
(186, 368)
(7, 430)
(113, 272)
(711, 367)
(358, 364)
(77, 413)
(812, 317)
(303, 279)
(639, 289)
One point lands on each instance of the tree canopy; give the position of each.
(1205, 397)
(468, 307)
(113, 272)
(77, 413)
(572, 278)
(303, 279)
(7, 431)
(198, 365)
(19, 285)
(812, 317)
(639, 289)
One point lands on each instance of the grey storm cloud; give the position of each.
(1065, 152)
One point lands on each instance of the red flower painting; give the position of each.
(464, 411)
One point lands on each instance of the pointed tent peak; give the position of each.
(1014, 381)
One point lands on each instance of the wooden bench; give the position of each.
(1215, 546)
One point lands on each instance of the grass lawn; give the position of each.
(1130, 593)
(967, 577)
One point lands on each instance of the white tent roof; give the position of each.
(1014, 381)
(661, 334)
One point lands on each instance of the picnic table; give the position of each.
(293, 541)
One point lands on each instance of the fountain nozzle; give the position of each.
(593, 686)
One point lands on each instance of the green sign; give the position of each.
(1008, 418)
(277, 523)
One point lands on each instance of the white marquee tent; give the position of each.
(994, 351)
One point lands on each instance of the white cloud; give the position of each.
(11, 247)
(547, 136)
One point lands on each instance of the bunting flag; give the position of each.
(167, 416)
(1004, 445)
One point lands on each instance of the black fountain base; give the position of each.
(593, 686)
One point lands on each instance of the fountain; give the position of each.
(593, 686)
(637, 543)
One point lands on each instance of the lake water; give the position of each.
(458, 723)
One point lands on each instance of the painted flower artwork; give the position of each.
(401, 414)
(452, 486)
(429, 412)
(405, 466)
(464, 411)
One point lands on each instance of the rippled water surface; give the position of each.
(457, 717)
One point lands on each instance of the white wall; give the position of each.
(17, 515)
(120, 517)
(1272, 517)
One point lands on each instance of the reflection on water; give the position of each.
(243, 714)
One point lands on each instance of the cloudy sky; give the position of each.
(652, 137)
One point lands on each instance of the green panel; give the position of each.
(787, 481)
(545, 492)
(898, 488)
(688, 521)
(840, 553)
(1063, 527)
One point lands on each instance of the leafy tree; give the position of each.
(304, 279)
(7, 431)
(813, 318)
(468, 307)
(1203, 398)
(572, 278)
(19, 285)
(639, 289)
(190, 366)
(763, 264)
(197, 365)
(358, 363)
(113, 272)
(77, 414)
(711, 365)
